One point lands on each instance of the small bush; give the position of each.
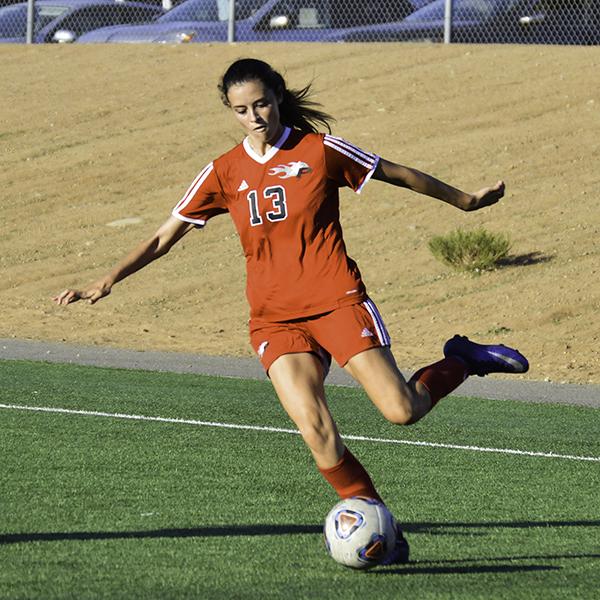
(473, 251)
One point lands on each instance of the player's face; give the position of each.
(257, 110)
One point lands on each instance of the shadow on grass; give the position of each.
(452, 561)
(455, 566)
(459, 566)
(451, 528)
(199, 532)
(266, 529)
(412, 569)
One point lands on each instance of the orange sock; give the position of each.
(442, 377)
(349, 478)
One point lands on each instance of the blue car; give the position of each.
(259, 20)
(496, 21)
(65, 20)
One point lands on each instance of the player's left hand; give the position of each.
(487, 196)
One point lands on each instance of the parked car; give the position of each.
(66, 20)
(259, 20)
(496, 21)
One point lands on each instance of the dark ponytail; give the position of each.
(295, 110)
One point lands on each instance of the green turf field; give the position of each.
(106, 507)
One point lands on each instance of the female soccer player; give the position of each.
(307, 299)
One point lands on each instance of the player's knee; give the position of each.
(399, 415)
(399, 410)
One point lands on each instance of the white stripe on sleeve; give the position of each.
(366, 159)
(198, 222)
(187, 197)
(368, 176)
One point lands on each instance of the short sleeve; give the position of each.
(203, 200)
(347, 164)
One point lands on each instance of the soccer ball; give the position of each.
(359, 532)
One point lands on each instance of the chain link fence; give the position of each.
(193, 21)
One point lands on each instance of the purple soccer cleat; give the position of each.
(482, 359)
(399, 554)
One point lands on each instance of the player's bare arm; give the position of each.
(168, 234)
(423, 183)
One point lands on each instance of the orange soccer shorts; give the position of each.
(341, 333)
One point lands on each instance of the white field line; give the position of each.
(360, 438)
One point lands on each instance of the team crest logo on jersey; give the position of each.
(292, 169)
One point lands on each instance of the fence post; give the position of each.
(30, 19)
(231, 24)
(448, 21)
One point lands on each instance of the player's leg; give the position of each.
(376, 371)
(406, 402)
(298, 381)
(297, 366)
(357, 338)
(331, 329)
(400, 401)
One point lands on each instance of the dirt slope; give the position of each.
(98, 143)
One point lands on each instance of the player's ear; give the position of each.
(279, 95)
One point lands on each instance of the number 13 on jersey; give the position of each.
(276, 194)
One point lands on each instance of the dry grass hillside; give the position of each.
(98, 143)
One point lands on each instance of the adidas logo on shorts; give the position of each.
(366, 333)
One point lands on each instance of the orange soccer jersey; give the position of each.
(285, 206)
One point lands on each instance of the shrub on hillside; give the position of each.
(473, 251)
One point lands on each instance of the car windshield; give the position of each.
(210, 10)
(13, 21)
(462, 10)
(46, 13)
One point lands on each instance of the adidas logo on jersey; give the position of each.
(366, 333)
(292, 169)
(243, 186)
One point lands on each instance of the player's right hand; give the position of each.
(92, 295)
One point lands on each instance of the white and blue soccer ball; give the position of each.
(359, 532)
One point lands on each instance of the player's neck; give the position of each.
(261, 144)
